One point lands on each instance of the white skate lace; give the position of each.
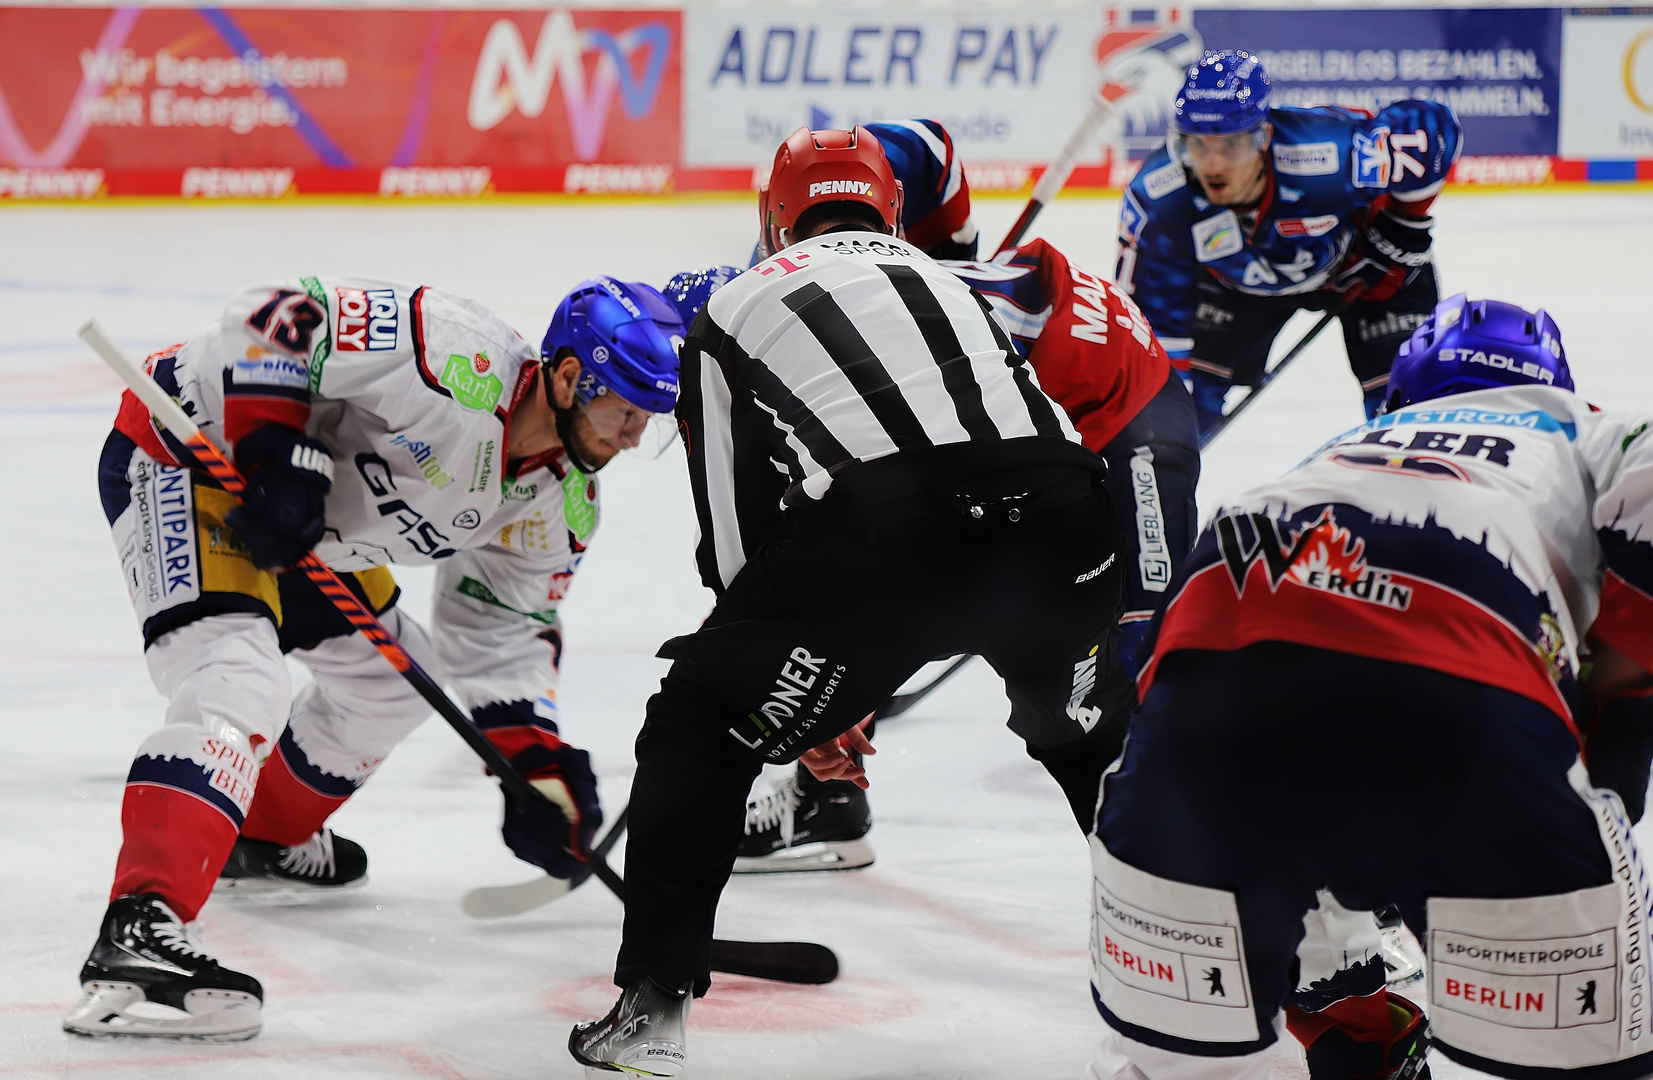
(777, 808)
(176, 937)
(313, 858)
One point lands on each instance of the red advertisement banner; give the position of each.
(421, 102)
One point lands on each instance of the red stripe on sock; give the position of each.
(286, 810)
(174, 843)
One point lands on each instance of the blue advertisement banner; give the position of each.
(1499, 68)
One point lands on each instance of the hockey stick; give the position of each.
(900, 703)
(790, 962)
(1098, 111)
(499, 901)
(1272, 374)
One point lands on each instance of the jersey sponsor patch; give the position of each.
(1168, 956)
(1371, 153)
(367, 320)
(1295, 228)
(1308, 159)
(465, 379)
(1548, 981)
(261, 367)
(1153, 556)
(1217, 237)
(839, 187)
(1164, 180)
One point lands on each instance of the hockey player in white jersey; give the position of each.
(1470, 576)
(375, 423)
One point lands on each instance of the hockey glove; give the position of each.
(1389, 253)
(283, 509)
(1381, 1037)
(555, 835)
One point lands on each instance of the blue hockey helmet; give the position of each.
(1223, 93)
(1469, 345)
(690, 290)
(626, 336)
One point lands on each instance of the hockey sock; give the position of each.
(174, 844)
(294, 797)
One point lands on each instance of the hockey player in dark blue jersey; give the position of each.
(1251, 213)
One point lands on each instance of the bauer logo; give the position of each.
(367, 320)
(839, 187)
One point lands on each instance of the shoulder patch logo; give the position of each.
(1217, 237)
(1295, 228)
(367, 320)
(1309, 159)
(1371, 155)
(1164, 180)
(1132, 217)
(469, 386)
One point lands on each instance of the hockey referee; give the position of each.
(879, 483)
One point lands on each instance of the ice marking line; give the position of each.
(81, 288)
(737, 1004)
(976, 926)
(421, 1062)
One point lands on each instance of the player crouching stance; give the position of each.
(1427, 580)
(879, 482)
(375, 423)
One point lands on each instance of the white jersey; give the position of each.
(1482, 535)
(411, 390)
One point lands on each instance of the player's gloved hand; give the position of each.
(1389, 253)
(283, 510)
(555, 835)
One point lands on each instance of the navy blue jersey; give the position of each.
(1326, 167)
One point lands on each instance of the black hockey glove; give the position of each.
(283, 510)
(1389, 253)
(556, 835)
(1618, 747)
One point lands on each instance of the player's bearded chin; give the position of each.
(574, 443)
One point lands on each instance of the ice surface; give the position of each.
(963, 948)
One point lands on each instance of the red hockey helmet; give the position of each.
(813, 168)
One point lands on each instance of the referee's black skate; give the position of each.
(149, 977)
(325, 863)
(645, 1034)
(806, 824)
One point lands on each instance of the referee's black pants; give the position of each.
(821, 627)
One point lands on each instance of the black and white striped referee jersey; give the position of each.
(845, 349)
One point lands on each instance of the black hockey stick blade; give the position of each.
(900, 703)
(780, 961)
(1273, 373)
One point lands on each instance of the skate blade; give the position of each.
(1403, 962)
(825, 855)
(120, 1011)
(271, 891)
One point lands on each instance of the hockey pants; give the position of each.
(821, 627)
(1255, 783)
(238, 753)
(1153, 469)
(1234, 331)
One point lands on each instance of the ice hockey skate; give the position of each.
(1403, 960)
(643, 1035)
(149, 977)
(326, 863)
(806, 824)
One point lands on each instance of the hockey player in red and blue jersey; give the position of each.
(1251, 213)
(935, 204)
(1469, 575)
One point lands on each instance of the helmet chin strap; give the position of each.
(565, 424)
